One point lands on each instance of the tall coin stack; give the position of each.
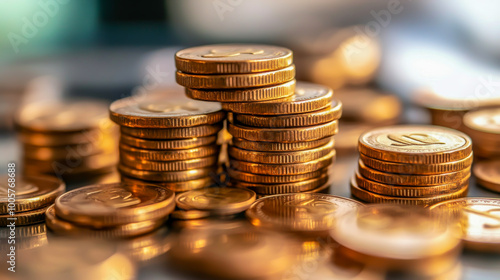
(168, 140)
(281, 129)
(413, 165)
(68, 138)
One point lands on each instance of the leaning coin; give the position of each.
(221, 201)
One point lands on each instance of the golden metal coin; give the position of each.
(63, 115)
(63, 227)
(160, 176)
(42, 139)
(484, 122)
(295, 120)
(421, 169)
(189, 214)
(236, 81)
(409, 191)
(107, 144)
(398, 238)
(280, 146)
(73, 164)
(232, 59)
(24, 218)
(415, 144)
(172, 133)
(412, 180)
(300, 212)
(280, 157)
(478, 220)
(169, 155)
(168, 166)
(221, 201)
(272, 179)
(180, 186)
(114, 204)
(371, 197)
(176, 144)
(308, 97)
(165, 110)
(281, 188)
(296, 134)
(30, 192)
(283, 169)
(245, 94)
(488, 174)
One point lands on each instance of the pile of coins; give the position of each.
(69, 139)
(116, 210)
(168, 139)
(24, 200)
(412, 164)
(281, 129)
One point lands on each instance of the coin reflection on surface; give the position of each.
(27, 237)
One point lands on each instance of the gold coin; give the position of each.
(165, 110)
(308, 97)
(63, 227)
(296, 134)
(478, 219)
(300, 212)
(169, 155)
(189, 214)
(296, 120)
(283, 169)
(409, 191)
(279, 146)
(415, 144)
(245, 94)
(371, 197)
(484, 122)
(412, 180)
(160, 176)
(398, 238)
(236, 81)
(61, 152)
(269, 179)
(280, 157)
(114, 204)
(30, 192)
(73, 164)
(41, 139)
(168, 166)
(221, 201)
(488, 174)
(176, 144)
(281, 188)
(232, 59)
(172, 133)
(421, 169)
(24, 218)
(63, 116)
(180, 186)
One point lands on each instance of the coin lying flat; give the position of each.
(279, 146)
(235, 81)
(478, 219)
(268, 179)
(30, 192)
(300, 212)
(61, 152)
(114, 204)
(296, 134)
(180, 186)
(172, 133)
(189, 214)
(415, 144)
(222, 59)
(175, 144)
(161, 176)
(245, 94)
(42, 139)
(168, 166)
(24, 218)
(165, 110)
(483, 122)
(488, 174)
(72, 165)
(169, 155)
(63, 227)
(308, 97)
(221, 201)
(294, 187)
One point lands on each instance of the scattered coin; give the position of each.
(488, 174)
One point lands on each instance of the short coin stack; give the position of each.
(413, 165)
(67, 138)
(116, 210)
(281, 129)
(168, 139)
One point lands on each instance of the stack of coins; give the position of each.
(412, 164)
(168, 139)
(70, 139)
(24, 200)
(111, 210)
